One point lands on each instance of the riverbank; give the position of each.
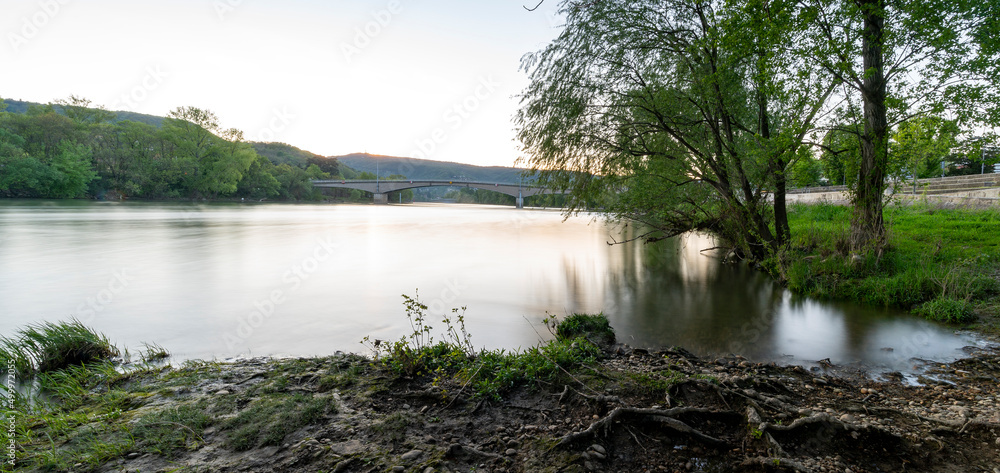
(578, 403)
(940, 263)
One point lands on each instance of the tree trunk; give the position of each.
(778, 166)
(867, 226)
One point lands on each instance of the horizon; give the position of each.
(433, 80)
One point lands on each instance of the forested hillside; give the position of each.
(414, 168)
(69, 150)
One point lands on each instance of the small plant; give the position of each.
(153, 353)
(417, 353)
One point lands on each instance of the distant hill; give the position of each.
(281, 153)
(414, 168)
(20, 106)
(277, 153)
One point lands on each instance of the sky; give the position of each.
(434, 79)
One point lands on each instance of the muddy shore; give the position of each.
(633, 410)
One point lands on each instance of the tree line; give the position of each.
(69, 149)
(699, 115)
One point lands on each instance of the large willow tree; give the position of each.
(682, 115)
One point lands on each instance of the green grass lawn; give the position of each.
(940, 263)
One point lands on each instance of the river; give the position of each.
(221, 280)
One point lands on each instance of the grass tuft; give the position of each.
(593, 327)
(48, 347)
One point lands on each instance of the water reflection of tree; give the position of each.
(670, 293)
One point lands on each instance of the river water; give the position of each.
(223, 280)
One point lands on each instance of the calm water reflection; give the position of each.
(214, 281)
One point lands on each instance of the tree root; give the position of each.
(754, 419)
(459, 451)
(954, 425)
(661, 416)
(600, 398)
(776, 461)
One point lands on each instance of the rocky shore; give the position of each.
(632, 410)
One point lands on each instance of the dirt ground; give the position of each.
(634, 411)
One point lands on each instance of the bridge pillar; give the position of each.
(520, 201)
(381, 199)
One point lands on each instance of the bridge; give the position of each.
(380, 188)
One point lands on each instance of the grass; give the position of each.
(939, 263)
(49, 346)
(268, 420)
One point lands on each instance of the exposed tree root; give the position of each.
(780, 462)
(463, 451)
(661, 416)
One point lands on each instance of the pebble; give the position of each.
(599, 449)
(429, 469)
(411, 455)
(222, 392)
(398, 469)
(847, 418)
(510, 452)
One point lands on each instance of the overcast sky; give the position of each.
(425, 78)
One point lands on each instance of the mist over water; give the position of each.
(221, 280)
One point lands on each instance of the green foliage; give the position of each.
(489, 373)
(946, 309)
(659, 90)
(492, 373)
(841, 156)
(48, 346)
(921, 145)
(593, 327)
(655, 384)
(72, 150)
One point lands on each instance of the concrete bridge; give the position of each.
(380, 188)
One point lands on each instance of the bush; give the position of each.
(948, 310)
